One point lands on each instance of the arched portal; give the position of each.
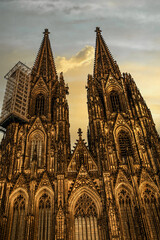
(85, 219)
(85, 209)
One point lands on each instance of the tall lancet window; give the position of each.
(125, 145)
(39, 107)
(152, 209)
(18, 219)
(86, 219)
(37, 148)
(127, 215)
(44, 218)
(60, 224)
(115, 102)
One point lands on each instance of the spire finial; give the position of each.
(46, 32)
(79, 132)
(98, 30)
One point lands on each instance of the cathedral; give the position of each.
(108, 189)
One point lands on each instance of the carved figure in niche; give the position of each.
(20, 136)
(19, 161)
(140, 138)
(34, 163)
(52, 142)
(141, 141)
(52, 131)
(52, 159)
(109, 138)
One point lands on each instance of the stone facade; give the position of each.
(106, 190)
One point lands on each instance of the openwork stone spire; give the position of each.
(104, 62)
(44, 64)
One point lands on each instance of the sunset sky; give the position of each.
(131, 30)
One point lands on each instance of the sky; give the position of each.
(130, 29)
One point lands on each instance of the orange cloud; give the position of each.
(82, 58)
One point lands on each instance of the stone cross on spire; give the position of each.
(98, 30)
(46, 32)
(79, 132)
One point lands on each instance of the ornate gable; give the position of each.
(112, 82)
(37, 125)
(81, 156)
(120, 121)
(122, 178)
(40, 86)
(21, 182)
(145, 177)
(45, 182)
(83, 179)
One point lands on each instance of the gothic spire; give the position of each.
(44, 64)
(104, 62)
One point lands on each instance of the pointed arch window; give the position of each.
(37, 149)
(39, 107)
(125, 145)
(86, 227)
(115, 102)
(152, 210)
(18, 219)
(127, 215)
(44, 218)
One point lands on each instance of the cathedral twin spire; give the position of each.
(104, 62)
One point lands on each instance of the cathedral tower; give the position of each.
(106, 190)
(34, 154)
(123, 139)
